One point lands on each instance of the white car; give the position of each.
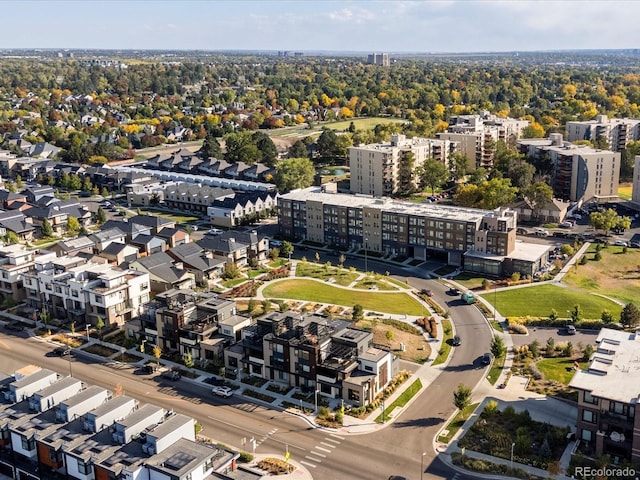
(222, 391)
(214, 231)
(541, 232)
(621, 243)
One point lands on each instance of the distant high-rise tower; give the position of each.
(379, 59)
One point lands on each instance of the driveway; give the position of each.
(559, 335)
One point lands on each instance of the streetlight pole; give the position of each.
(512, 445)
(422, 465)
(69, 358)
(365, 256)
(383, 411)
(88, 327)
(316, 398)
(495, 300)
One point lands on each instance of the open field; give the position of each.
(559, 369)
(361, 123)
(624, 191)
(538, 301)
(616, 275)
(174, 217)
(417, 349)
(315, 291)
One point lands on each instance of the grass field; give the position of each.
(616, 275)
(538, 301)
(559, 369)
(624, 191)
(175, 217)
(361, 123)
(315, 291)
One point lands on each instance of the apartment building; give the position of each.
(578, 172)
(72, 288)
(617, 132)
(308, 353)
(381, 59)
(383, 169)
(477, 135)
(608, 392)
(15, 261)
(392, 227)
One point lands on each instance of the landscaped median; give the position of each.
(395, 303)
(401, 401)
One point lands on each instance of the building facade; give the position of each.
(383, 169)
(617, 132)
(608, 393)
(578, 172)
(379, 59)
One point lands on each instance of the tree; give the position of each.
(496, 193)
(286, 249)
(521, 174)
(328, 144)
(576, 313)
(358, 312)
(101, 216)
(462, 397)
(73, 226)
(538, 195)
(240, 148)
(298, 150)
(608, 220)
(231, 271)
(11, 238)
(46, 229)
(274, 253)
(293, 173)
(210, 148)
(188, 360)
(405, 173)
(389, 335)
(551, 346)
(99, 326)
(606, 316)
(268, 150)
(104, 192)
(87, 185)
(19, 184)
(10, 186)
(458, 165)
(433, 174)
(630, 315)
(498, 348)
(468, 195)
(478, 176)
(157, 353)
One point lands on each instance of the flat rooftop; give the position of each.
(614, 370)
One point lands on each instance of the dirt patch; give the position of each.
(417, 349)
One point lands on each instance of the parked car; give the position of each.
(221, 391)
(620, 243)
(397, 477)
(426, 292)
(634, 244)
(487, 358)
(541, 232)
(14, 327)
(214, 231)
(571, 330)
(566, 225)
(149, 368)
(171, 375)
(522, 231)
(456, 341)
(454, 292)
(62, 351)
(275, 243)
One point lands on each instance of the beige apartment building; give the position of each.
(377, 169)
(477, 135)
(618, 132)
(579, 173)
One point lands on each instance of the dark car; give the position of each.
(171, 375)
(453, 292)
(14, 327)
(486, 358)
(397, 477)
(149, 368)
(634, 244)
(456, 341)
(426, 292)
(62, 351)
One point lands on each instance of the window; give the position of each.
(84, 468)
(588, 416)
(588, 398)
(368, 368)
(586, 435)
(28, 443)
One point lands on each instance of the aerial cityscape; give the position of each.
(319, 240)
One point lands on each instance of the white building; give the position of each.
(618, 132)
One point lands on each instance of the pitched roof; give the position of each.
(194, 256)
(161, 265)
(151, 221)
(218, 244)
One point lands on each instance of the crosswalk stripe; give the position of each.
(313, 459)
(332, 440)
(337, 436)
(327, 444)
(307, 464)
(319, 454)
(323, 449)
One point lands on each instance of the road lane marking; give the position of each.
(327, 444)
(317, 460)
(337, 436)
(307, 464)
(332, 441)
(318, 454)
(323, 449)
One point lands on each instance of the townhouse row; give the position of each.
(53, 426)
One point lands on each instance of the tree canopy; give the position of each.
(292, 173)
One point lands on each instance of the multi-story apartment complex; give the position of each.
(617, 132)
(307, 352)
(15, 261)
(72, 288)
(478, 134)
(383, 169)
(608, 393)
(635, 193)
(379, 59)
(396, 228)
(60, 428)
(578, 172)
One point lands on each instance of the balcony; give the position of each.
(612, 418)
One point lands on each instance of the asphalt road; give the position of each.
(394, 450)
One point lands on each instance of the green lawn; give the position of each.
(319, 292)
(342, 276)
(361, 123)
(445, 348)
(457, 422)
(495, 370)
(625, 191)
(367, 282)
(401, 401)
(175, 217)
(538, 301)
(559, 369)
(469, 281)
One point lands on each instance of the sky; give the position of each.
(322, 25)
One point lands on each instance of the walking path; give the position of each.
(514, 393)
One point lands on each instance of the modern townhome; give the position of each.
(58, 428)
(164, 272)
(578, 173)
(384, 169)
(391, 227)
(73, 289)
(231, 212)
(194, 198)
(204, 265)
(476, 135)
(226, 247)
(15, 261)
(17, 222)
(308, 353)
(616, 132)
(608, 392)
(188, 323)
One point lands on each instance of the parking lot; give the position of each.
(542, 334)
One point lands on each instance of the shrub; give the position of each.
(518, 328)
(245, 457)
(583, 260)
(598, 256)
(491, 408)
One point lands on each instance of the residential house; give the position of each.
(103, 238)
(156, 223)
(204, 265)
(258, 172)
(131, 230)
(248, 207)
(36, 192)
(17, 222)
(119, 254)
(74, 246)
(236, 170)
(173, 236)
(257, 246)
(553, 211)
(42, 150)
(213, 167)
(227, 247)
(163, 272)
(193, 197)
(148, 244)
(8, 198)
(15, 262)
